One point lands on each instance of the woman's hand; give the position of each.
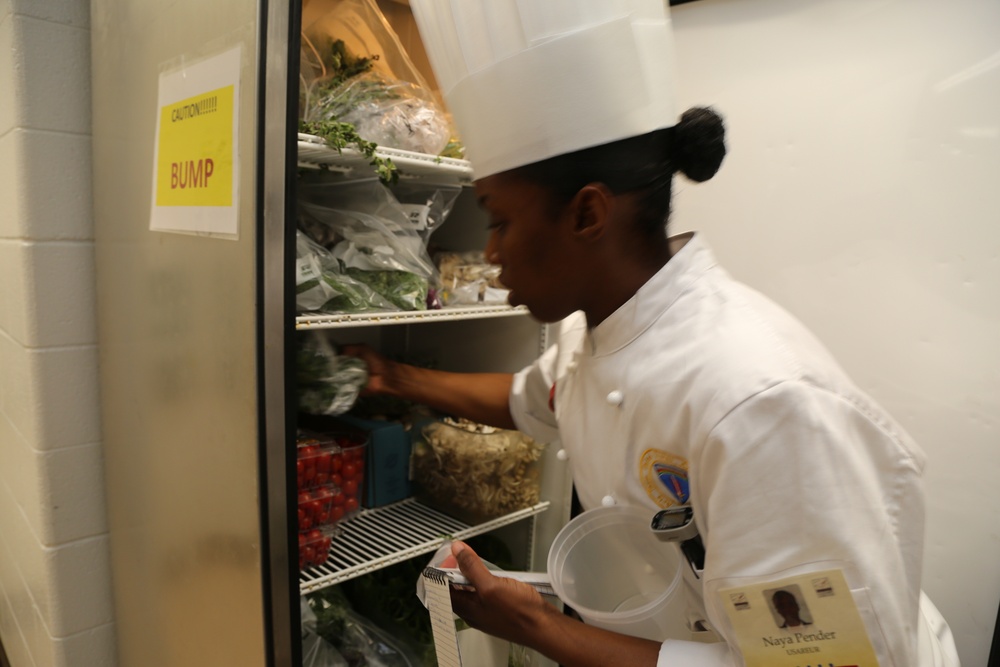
(515, 611)
(499, 606)
(481, 397)
(380, 376)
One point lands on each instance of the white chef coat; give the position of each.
(699, 390)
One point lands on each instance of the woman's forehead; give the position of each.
(502, 189)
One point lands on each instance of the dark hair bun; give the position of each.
(699, 144)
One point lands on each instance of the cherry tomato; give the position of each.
(350, 505)
(350, 471)
(337, 513)
(350, 487)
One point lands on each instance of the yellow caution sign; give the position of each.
(195, 151)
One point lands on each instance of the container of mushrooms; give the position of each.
(475, 472)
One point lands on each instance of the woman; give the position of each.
(665, 363)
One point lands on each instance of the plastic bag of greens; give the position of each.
(386, 111)
(327, 383)
(323, 285)
(354, 69)
(373, 239)
(428, 205)
(361, 642)
(316, 651)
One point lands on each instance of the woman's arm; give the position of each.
(481, 397)
(515, 611)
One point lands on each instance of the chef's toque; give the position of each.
(530, 79)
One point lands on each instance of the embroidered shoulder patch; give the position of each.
(664, 477)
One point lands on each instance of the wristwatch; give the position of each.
(676, 524)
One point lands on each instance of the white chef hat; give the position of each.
(530, 79)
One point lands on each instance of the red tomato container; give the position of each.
(349, 466)
(314, 464)
(314, 546)
(330, 471)
(321, 507)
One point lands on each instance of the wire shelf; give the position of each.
(314, 152)
(344, 320)
(384, 536)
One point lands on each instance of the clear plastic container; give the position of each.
(321, 507)
(609, 566)
(331, 467)
(314, 546)
(313, 467)
(475, 473)
(348, 465)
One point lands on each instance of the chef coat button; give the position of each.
(616, 397)
(562, 455)
(608, 501)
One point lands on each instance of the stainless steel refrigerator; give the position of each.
(197, 326)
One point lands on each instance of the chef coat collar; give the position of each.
(690, 258)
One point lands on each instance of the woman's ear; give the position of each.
(592, 208)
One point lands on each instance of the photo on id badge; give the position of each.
(788, 607)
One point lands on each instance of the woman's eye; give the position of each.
(496, 225)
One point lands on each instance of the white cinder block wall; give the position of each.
(55, 582)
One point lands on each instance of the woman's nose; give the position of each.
(491, 253)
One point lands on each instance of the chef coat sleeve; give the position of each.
(675, 653)
(797, 475)
(529, 398)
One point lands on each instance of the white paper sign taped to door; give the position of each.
(195, 168)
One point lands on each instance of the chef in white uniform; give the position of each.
(671, 384)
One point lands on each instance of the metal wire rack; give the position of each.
(314, 152)
(383, 536)
(345, 320)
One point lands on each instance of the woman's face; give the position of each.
(531, 246)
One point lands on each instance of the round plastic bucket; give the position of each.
(612, 569)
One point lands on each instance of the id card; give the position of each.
(810, 619)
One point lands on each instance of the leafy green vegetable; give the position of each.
(401, 288)
(336, 65)
(344, 64)
(326, 382)
(340, 135)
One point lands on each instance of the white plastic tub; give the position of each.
(611, 568)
